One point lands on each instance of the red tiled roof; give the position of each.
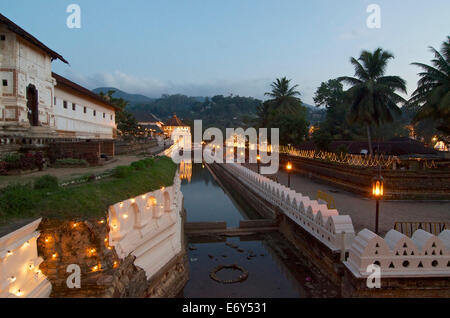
(62, 81)
(28, 37)
(174, 121)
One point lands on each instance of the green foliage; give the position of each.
(85, 200)
(122, 171)
(139, 165)
(71, 162)
(148, 162)
(11, 157)
(46, 182)
(322, 138)
(17, 200)
(431, 99)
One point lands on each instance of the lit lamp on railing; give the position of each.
(288, 169)
(258, 160)
(377, 192)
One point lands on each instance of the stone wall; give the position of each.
(398, 184)
(123, 147)
(90, 151)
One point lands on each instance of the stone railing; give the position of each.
(149, 227)
(334, 230)
(19, 264)
(422, 255)
(397, 255)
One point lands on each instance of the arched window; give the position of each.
(152, 205)
(167, 207)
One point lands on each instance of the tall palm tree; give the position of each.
(432, 96)
(372, 95)
(283, 97)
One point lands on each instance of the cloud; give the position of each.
(155, 88)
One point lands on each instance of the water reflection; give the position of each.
(275, 270)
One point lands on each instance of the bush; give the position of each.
(122, 171)
(46, 182)
(71, 162)
(11, 157)
(149, 162)
(139, 165)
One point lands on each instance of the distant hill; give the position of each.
(218, 111)
(131, 98)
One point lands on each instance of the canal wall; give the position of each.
(398, 184)
(136, 250)
(20, 275)
(416, 266)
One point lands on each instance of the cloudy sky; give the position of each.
(209, 47)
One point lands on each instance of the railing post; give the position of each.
(342, 246)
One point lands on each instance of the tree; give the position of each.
(283, 97)
(126, 122)
(372, 95)
(431, 99)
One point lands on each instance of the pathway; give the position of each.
(362, 210)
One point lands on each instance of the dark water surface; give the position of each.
(274, 268)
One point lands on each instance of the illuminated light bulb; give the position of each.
(55, 255)
(133, 200)
(106, 239)
(121, 204)
(143, 196)
(12, 279)
(125, 216)
(47, 239)
(19, 293)
(27, 243)
(109, 248)
(101, 221)
(74, 225)
(115, 264)
(9, 253)
(242, 153)
(162, 189)
(30, 267)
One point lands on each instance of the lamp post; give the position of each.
(289, 168)
(258, 160)
(377, 192)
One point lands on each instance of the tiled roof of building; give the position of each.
(28, 37)
(174, 121)
(62, 81)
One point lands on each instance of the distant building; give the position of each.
(178, 132)
(152, 126)
(36, 103)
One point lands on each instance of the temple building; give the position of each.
(37, 103)
(178, 132)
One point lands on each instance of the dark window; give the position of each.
(73, 106)
(111, 117)
(2, 37)
(54, 100)
(104, 115)
(95, 113)
(5, 82)
(84, 109)
(65, 104)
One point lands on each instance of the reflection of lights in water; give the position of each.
(186, 170)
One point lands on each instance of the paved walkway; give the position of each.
(362, 210)
(69, 173)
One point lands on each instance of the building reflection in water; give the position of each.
(186, 170)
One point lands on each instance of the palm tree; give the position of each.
(432, 96)
(284, 98)
(372, 95)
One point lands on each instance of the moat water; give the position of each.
(274, 268)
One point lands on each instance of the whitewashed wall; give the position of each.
(19, 265)
(422, 255)
(78, 123)
(149, 227)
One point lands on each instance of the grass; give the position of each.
(85, 200)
